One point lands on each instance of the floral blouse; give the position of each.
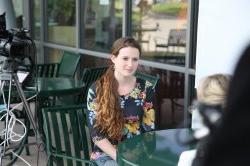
(138, 113)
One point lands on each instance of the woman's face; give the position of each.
(126, 62)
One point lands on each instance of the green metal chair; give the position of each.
(89, 76)
(66, 68)
(68, 64)
(47, 70)
(66, 136)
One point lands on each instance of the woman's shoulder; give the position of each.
(144, 84)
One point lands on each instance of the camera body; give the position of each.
(15, 45)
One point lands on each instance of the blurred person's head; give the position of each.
(211, 96)
(230, 144)
(212, 89)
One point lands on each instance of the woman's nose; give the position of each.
(130, 63)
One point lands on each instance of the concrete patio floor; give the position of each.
(35, 158)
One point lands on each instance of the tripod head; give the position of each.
(15, 46)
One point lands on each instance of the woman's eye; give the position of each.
(135, 59)
(125, 58)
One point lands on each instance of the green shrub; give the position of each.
(169, 8)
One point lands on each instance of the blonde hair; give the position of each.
(109, 117)
(213, 89)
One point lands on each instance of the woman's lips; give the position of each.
(129, 70)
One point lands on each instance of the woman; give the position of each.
(118, 107)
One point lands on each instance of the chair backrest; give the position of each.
(152, 79)
(47, 70)
(68, 64)
(89, 76)
(177, 37)
(66, 136)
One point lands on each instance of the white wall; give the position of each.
(223, 33)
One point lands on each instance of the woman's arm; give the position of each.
(97, 137)
(107, 147)
(148, 121)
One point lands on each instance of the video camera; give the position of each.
(15, 46)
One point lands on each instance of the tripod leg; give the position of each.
(6, 151)
(26, 106)
(7, 106)
(27, 124)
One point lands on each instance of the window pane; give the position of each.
(37, 20)
(161, 27)
(61, 22)
(102, 24)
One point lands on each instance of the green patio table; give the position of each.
(58, 86)
(156, 148)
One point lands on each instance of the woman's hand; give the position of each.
(107, 147)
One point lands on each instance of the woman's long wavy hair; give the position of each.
(109, 118)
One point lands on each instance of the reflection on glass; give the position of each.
(160, 26)
(37, 21)
(169, 97)
(61, 22)
(52, 55)
(91, 61)
(161, 147)
(102, 24)
(141, 149)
